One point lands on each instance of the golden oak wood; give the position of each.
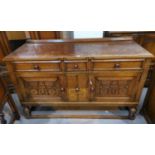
(76, 49)
(139, 36)
(44, 34)
(79, 116)
(4, 45)
(145, 38)
(94, 73)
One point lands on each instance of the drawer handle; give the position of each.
(77, 89)
(117, 66)
(92, 89)
(76, 66)
(62, 89)
(36, 67)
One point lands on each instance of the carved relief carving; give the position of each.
(43, 88)
(112, 87)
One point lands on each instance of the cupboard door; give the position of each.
(113, 87)
(77, 88)
(42, 89)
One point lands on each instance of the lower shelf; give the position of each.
(81, 114)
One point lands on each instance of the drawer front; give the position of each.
(116, 65)
(38, 66)
(74, 66)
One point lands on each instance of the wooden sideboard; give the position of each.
(80, 74)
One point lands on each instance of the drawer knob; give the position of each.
(36, 67)
(62, 89)
(117, 66)
(76, 66)
(77, 89)
(92, 89)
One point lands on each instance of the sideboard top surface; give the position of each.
(84, 48)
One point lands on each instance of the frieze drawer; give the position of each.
(38, 66)
(74, 66)
(116, 64)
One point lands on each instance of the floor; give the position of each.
(139, 118)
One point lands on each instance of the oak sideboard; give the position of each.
(91, 74)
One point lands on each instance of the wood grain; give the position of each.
(101, 48)
(89, 73)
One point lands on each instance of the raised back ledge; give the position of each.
(106, 39)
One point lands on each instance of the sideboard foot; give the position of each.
(17, 116)
(2, 119)
(132, 113)
(27, 112)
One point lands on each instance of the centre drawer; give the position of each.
(116, 64)
(73, 66)
(37, 66)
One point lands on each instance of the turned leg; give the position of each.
(17, 116)
(2, 120)
(27, 111)
(132, 113)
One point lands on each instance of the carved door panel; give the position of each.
(42, 89)
(113, 88)
(77, 88)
